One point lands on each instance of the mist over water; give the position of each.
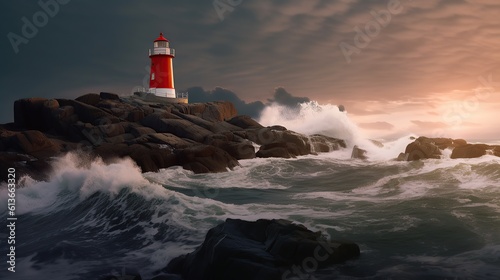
(430, 219)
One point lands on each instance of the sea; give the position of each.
(428, 219)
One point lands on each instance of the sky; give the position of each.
(398, 66)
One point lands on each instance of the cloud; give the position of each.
(429, 125)
(198, 94)
(377, 125)
(283, 97)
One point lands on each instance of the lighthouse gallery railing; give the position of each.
(166, 51)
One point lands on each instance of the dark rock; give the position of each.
(28, 113)
(238, 150)
(149, 158)
(279, 150)
(109, 95)
(62, 118)
(87, 132)
(423, 148)
(113, 129)
(124, 273)
(91, 99)
(89, 114)
(141, 130)
(459, 142)
(205, 158)
(120, 138)
(470, 151)
(25, 165)
(358, 153)
(178, 127)
(325, 144)
(135, 115)
(278, 128)
(34, 143)
(402, 157)
(244, 122)
(264, 249)
(219, 111)
(167, 277)
(168, 139)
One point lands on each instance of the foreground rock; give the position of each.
(426, 148)
(264, 249)
(202, 137)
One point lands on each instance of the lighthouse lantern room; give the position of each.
(161, 78)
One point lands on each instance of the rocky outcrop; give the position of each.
(263, 249)
(426, 148)
(475, 151)
(358, 153)
(202, 137)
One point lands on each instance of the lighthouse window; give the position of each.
(153, 76)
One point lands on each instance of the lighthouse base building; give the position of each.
(161, 77)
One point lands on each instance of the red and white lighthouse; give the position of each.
(161, 78)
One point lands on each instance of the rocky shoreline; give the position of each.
(202, 137)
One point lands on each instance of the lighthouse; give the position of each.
(161, 77)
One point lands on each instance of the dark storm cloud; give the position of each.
(283, 97)
(198, 94)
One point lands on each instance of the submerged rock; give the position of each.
(358, 153)
(264, 249)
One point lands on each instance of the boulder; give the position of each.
(205, 159)
(263, 249)
(263, 136)
(470, 151)
(358, 153)
(244, 122)
(178, 127)
(237, 149)
(168, 139)
(125, 137)
(113, 129)
(149, 158)
(28, 113)
(109, 95)
(135, 115)
(278, 150)
(89, 114)
(219, 111)
(138, 131)
(91, 99)
(423, 148)
(324, 144)
(34, 143)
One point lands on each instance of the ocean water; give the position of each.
(431, 219)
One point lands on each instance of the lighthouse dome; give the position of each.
(161, 38)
